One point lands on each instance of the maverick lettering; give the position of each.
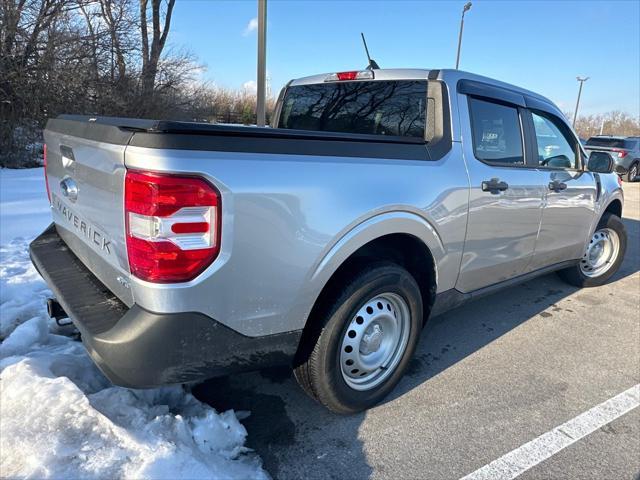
(81, 226)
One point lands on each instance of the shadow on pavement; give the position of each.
(298, 438)
(453, 336)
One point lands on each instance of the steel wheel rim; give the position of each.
(601, 253)
(633, 172)
(375, 341)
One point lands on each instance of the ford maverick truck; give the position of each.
(376, 200)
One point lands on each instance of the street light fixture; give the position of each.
(575, 113)
(467, 7)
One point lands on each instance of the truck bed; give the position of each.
(140, 125)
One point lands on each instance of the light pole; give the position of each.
(467, 6)
(575, 113)
(262, 63)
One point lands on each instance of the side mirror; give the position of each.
(600, 162)
(559, 161)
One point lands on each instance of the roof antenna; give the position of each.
(372, 63)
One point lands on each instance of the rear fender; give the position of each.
(403, 222)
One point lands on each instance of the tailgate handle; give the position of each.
(67, 155)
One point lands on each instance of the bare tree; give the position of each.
(151, 52)
(610, 123)
(113, 13)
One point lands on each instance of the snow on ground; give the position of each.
(24, 209)
(61, 418)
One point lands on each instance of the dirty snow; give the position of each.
(60, 418)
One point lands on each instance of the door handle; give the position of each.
(557, 186)
(495, 186)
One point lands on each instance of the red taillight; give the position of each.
(621, 153)
(173, 226)
(46, 178)
(347, 75)
(196, 227)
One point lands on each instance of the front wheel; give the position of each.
(603, 255)
(367, 339)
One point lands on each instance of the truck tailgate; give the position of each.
(85, 171)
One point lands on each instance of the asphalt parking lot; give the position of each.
(487, 378)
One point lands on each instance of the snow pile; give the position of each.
(62, 419)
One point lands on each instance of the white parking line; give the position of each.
(548, 444)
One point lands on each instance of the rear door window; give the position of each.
(395, 108)
(497, 134)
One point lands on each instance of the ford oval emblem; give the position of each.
(69, 188)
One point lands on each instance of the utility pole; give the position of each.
(262, 63)
(575, 113)
(602, 126)
(467, 7)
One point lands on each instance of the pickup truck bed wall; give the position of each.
(263, 198)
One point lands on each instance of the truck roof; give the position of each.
(615, 137)
(448, 75)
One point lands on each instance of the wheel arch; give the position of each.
(614, 207)
(406, 249)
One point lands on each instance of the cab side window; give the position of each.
(557, 148)
(497, 135)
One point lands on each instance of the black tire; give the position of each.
(575, 276)
(319, 372)
(632, 174)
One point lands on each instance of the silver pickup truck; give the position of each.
(378, 199)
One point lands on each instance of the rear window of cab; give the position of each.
(611, 142)
(380, 107)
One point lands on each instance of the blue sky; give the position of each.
(540, 45)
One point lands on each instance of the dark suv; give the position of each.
(624, 150)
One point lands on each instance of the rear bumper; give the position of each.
(620, 169)
(137, 348)
(622, 165)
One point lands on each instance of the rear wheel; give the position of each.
(366, 341)
(632, 174)
(603, 254)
